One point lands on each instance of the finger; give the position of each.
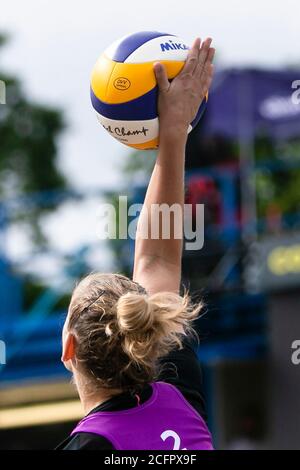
(209, 76)
(203, 53)
(211, 54)
(206, 45)
(161, 77)
(192, 58)
(206, 79)
(207, 57)
(204, 49)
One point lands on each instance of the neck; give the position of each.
(89, 395)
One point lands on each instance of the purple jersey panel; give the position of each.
(165, 422)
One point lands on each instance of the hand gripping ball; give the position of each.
(124, 89)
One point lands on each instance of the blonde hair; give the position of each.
(122, 332)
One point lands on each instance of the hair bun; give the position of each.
(134, 313)
(153, 325)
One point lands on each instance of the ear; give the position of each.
(68, 348)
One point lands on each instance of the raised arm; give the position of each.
(157, 264)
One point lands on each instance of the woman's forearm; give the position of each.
(166, 189)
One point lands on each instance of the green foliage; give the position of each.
(33, 290)
(3, 39)
(278, 186)
(28, 151)
(280, 189)
(28, 144)
(139, 162)
(264, 148)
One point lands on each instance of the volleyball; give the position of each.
(124, 90)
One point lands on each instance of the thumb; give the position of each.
(161, 76)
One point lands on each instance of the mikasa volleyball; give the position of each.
(124, 89)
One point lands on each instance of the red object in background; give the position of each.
(203, 190)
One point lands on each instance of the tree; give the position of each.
(28, 151)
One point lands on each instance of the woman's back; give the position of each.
(164, 422)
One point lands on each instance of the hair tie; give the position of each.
(138, 399)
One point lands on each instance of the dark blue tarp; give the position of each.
(247, 102)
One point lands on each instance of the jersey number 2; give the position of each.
(173, 435)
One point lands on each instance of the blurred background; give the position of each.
(243, 162)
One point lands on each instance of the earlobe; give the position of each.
(68, 348)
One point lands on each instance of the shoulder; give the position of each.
(182, 369)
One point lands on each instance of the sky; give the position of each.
(54, 45)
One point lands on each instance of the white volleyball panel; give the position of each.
(111, 50)
(130, 132)
(161, 48)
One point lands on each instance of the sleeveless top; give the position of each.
(164, 422)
